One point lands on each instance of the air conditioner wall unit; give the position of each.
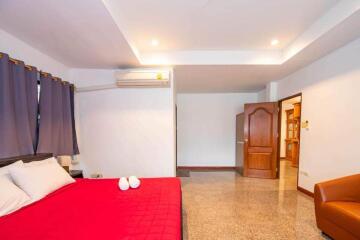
(142, 78)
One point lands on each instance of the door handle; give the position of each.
(240, 142)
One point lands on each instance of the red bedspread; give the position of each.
(97, 209)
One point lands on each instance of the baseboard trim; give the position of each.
(303, 190)
(207, 168)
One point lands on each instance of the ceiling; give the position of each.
(225, 78)
(250, 78)
(214, 45)
(79, 33)
(216, 24)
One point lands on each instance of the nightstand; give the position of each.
(76, 173)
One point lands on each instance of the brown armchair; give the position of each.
(337, 207)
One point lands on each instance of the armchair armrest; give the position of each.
(341, 189)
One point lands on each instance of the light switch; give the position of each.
(305, 124)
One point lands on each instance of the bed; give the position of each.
(97, 209)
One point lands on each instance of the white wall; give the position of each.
(20, 50)
(206, 127)
(271, 92)
(124, 132)
(330, 93)
(262, 96)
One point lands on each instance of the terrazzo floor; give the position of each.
(225, 205)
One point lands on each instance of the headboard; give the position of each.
(26, 158)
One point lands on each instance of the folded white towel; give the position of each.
(134, 182)
(123, 184)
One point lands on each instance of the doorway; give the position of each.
(289, 141)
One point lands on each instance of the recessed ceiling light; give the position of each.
(274, 42)
(155, 42)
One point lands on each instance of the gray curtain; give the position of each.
(27, 126)
(75, 144)
(66, 146)
(17, 102)
(31, 76)
(55, 125)
(57, 117)
(45, 142)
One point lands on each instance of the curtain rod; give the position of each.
(31, 68)
(45, 74)
(16, 61)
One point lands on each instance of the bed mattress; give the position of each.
(97, 209)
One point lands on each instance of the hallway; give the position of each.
(288, 176)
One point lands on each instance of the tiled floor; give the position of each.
(225, 205)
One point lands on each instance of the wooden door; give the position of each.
(260, 137)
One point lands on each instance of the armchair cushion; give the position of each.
(341, 189)
(343, 214)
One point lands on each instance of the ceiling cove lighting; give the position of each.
(274, 42)
(154, 42)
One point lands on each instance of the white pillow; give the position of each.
(4, 171)
(40, 180)
(36, 163)
(11, 197)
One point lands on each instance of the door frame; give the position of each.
(279, 134)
